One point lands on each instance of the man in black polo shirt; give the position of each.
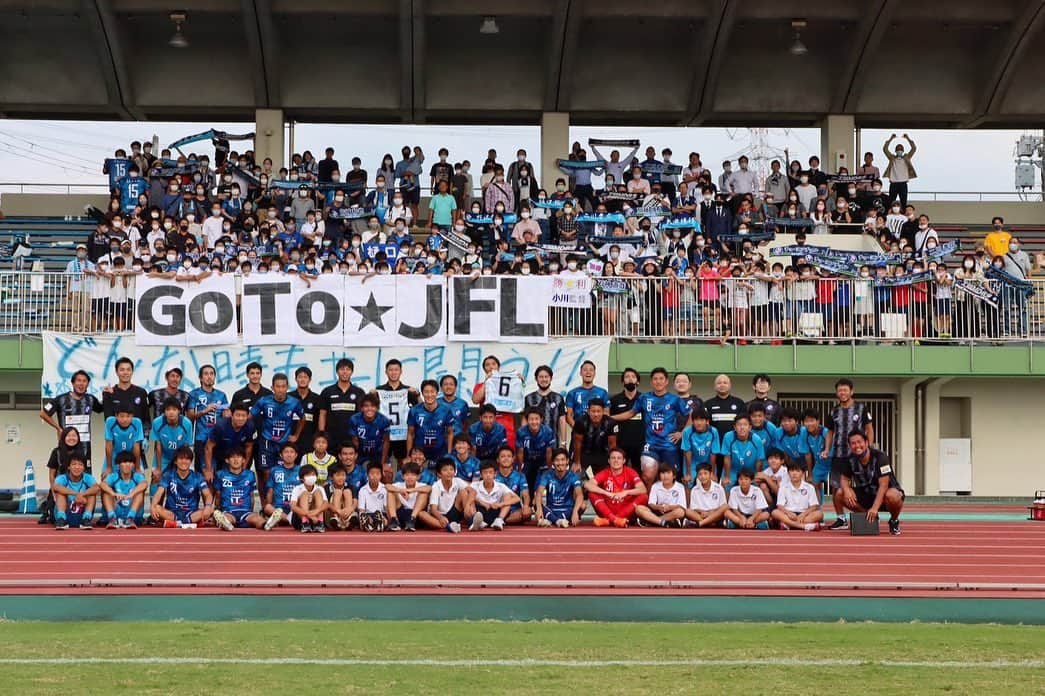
(254, 390)
(723, 408)
(594, 435)
(338, 403)
(847, 417)
(631, 434)
(762, 384)
(310, 403)
(868, 483)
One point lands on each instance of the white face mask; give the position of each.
(572, 265)
(525, 270)
(804, 179)
(397, 201)
(525, 215)
(309, 480)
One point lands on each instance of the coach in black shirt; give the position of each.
(310, 403)
(338, 403)
(631, 434)
(125, 394)
(250, 394)
(724, 407)
(594, 435)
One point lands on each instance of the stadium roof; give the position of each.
(609, 62)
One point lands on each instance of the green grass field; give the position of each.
(796, 658)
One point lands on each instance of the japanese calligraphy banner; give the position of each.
(64, 354)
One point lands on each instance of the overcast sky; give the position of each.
(72, 151)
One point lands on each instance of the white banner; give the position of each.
(334, 310)
(64, 354)
(571, 290)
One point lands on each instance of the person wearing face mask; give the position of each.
(900, 169)
(806, 191)
(924, 236)
(1017, 264)
(524, 186)
(997, 240)
(78, 290)
(631, 434)
(526, 231)
(743, 182)
(868, 169)
(777, 184)
(968, 309)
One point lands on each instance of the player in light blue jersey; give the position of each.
(516, 481)
(282, 481)
(170, 432)
(280, 419)
(205, 406)
(741, 450)
(176, 502)
(813, 448)
(123, 492)
(761, 427)
(559, 499)
(235, 486)
(74, 494)
(577, 398)
(700, 442)
(123, 433)
(789, 439)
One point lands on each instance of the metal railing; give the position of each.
(977, 196)
(732, 309)
(59, 189)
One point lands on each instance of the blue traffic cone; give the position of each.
(27, 498)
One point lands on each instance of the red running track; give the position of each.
(982, 559)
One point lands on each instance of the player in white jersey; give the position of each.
(798, 503)
(407, 499)
(504, 391)
(748, 508)
(395, 405)
(707, 500)
(374, 508)
(774, 475)
(450, 501)
(493, 499)
(666, 506)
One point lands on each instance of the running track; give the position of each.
(930, 559)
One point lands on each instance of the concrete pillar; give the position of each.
(906, 434)
(555, 144)
(268, 137)
(838, 138)
(932, 435)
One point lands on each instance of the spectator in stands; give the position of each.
(742, 182)
(900, 169)
(925, 236)
(868, 169)
(817, 177)
(805, 190)
(777, 185)
(1017, 264)
(524, 184)
(498, 192)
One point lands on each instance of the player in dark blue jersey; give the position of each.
(487, 435)
(235, 431)
(282, 481)
(534, 443)
(235, 488)
(206, 405)
(131, 187)
(428, 474)
(577, 398)
(177, 500)
(279, 418)
(516, 482)
(665, 417)
(369, 430)
(467, 465)
(355, 473)
(458, 407)
(123, 433)
(430, 424)
(564, 504)
(170, 432)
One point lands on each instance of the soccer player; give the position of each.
(594, 435)
(205, 405)
(73, 409)
(449, 501)
(396, 401)
(236, 485)
(279, 418)
(667, 501)
(235, 431)
(430, 424)
(762, 428)
(310, 403)
(616, 492)
(699, 444)
(319, 457)
(369, 430)
(748, 508)
(798, 506)
(551, 404)
(339, 402)
(774, 475)
(848, 416)
(565, 494)
(466, 464)
(493, 499)
(814, 448)
(355, 474)
(342, 509)
(123, 492)
(173, 390)
(740, 450)
(577, 399)
(534, 443)
(428, 474)
(516, 481)
(253, 391)
(126, 394)
(487, 435)
(665, 416)
(707, 499)
(282, 481)
(123, 433)
(74, 495)
(170, 432)
(408, 498)
(868, 483)
(632, 434)
(177, 500)
(791, 434)
(308, 502)
(459, 408)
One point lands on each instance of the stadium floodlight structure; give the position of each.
(1030, 154)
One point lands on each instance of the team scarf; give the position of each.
(620, 196)
(1024, 286)
(681, 222)
(573, 165)
(911, 279)
(211, 135)
(482, 219)
(850, 178)
(942, 250)
(548, 249)
(661, 168)
(651, 211)
(609, 142)
(612, 286)
(840, 267)
(797, 250)
(753, 236)
(552, 203)
(454, 239)
(634, 240)
(977, 291)
(349, 213)
(602, 218)
(245, 174)
(789, 222)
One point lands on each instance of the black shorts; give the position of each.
(865, 498)
(454, 515)
(397, 448)
(489, 515)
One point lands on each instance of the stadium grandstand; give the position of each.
(489, 409)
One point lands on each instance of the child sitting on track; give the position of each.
(667, 501)
(319, 457)
(123, 492)
(774, 475)
(798, 505)
(342, 508)
(748, 508)
(493, 499)
(308, 503)
(408, 498)
(707, 500)
(449, 502)
(236, 486)
(373, 500)
(516, 482)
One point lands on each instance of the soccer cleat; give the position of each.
(813, 527)
(129, 523)
(497, 525)
(275, 518)
(477, 522)
(677, 524)
(564, 523)
(353, 520)
(113, 523)
(319, 528)
(393, 526)
(306, 527)
(620, 522)
(840, 523)
(85, 524)
(171, 524)
(221, 520)
(543, 522)
(894, 527)
(411, 526)
(61, 524)
(454, 527)
(601, 522)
